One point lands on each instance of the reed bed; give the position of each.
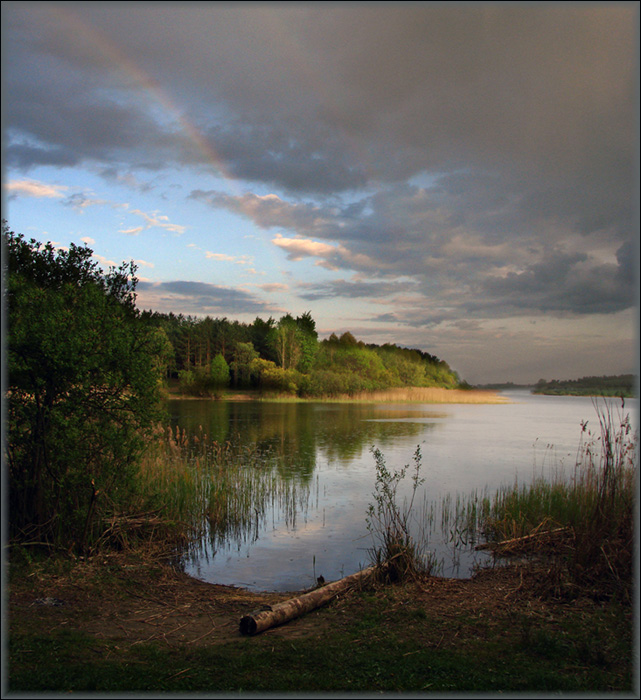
(215, 493)
(437, 395)
(583, 523)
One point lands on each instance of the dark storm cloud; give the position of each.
(288, 156)
(349, 289)
(400, 88)
(564, 283)
(201, 297)
(519, 116)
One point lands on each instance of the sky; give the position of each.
(462, 178)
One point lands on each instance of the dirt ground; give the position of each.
(113, 598)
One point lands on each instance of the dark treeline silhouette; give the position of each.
(614, 385)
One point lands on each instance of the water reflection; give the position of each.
(304, 482)
(301, 433)
(316, 476)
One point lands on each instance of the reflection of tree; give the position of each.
(262, 465)
(295, 432)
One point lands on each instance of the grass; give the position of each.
(196, 488)
(523, 636)
(432, 395)
(377, 640)
(435, 395)
(583, 524)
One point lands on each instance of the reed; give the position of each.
(396, 552)
(583, 523)
(214, 492)
(436, 395)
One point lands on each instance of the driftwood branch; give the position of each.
(266, 617)
(519, 540)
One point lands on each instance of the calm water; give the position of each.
(323, 452)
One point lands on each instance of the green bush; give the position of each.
(83, 387)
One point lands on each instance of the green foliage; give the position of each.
(205, 380)
(83, 388)
(389, 523)
(335, 366)
(241, 366)
(219, 373)
(275, 379)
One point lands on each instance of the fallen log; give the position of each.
(519, 540)
(268, 616)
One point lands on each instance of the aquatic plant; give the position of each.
(583, 525)
(216, 492)
(394, 548)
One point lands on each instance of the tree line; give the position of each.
(209, 355)
(624, 385)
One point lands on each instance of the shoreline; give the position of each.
(408, 395)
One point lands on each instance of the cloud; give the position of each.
(299, 248)
(356, 289)
(274, 287)
(34, 188)
(219, 256)
(466, 162)
(154, 220)
(80, 201)
(291, 155)
(268, 211)
(201, 298)
(105, 262)
(563, 283)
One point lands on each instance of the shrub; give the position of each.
(394, 550)
(83, 389)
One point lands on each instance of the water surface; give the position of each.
(323, 452)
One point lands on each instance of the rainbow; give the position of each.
(112, 55)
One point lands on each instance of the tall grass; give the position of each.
(433, 394)
(583, 523)
(214, 492)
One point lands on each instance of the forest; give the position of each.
(207, 356)
(624, 385)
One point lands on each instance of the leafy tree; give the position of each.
(307, 340)
(287, 342)
(83, 388)
(244, 355)
(347, 339)
(219, 373)
(262, 334)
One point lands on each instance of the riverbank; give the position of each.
(128, 621)
(433, 395)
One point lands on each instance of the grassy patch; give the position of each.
(389, 645)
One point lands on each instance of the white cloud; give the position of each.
(105, 262)
(274, 287)
(299, 248)
(159, 220)
(33, 188)
(219, 256)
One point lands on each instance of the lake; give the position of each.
(321, 455)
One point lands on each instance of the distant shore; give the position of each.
(435, 395)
